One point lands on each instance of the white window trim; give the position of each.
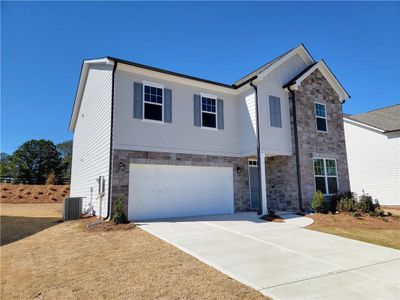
(253, 160)
(209, 112)
(269, 112)
(326, 176)
(156, 85)
(326, 117)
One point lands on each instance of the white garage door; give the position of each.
(165, 191)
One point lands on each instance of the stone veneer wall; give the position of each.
(330, 144)
(281, 178)
(281, 171)
(120, 179)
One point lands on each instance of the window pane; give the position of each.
(331, 167)
(332, 185)
(320, 110)
(208, 104)
(152, 112)
(275, 112)
(209, 120)
(152, 94)
(320, 184)
(319, 167)
(321, 124)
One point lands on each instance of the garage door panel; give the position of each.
(163, 191)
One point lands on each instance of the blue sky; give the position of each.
(44, 43)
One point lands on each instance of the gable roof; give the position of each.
(295, 82)
(386, 119)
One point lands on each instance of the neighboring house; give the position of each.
(373, 150)
(175, 145)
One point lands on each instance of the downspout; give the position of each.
(258, 146)
(111, 143)
(296, 144)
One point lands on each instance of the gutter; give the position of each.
(258, 144)
(296, 143)
(111, 143)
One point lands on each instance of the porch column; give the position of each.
(261, 165)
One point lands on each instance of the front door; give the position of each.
(254, 184)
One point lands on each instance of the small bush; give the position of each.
(377, 213)
(40, 193)
(51, 179)
(334, 200)
(365, 204)
(118, 216)
(318, 202)
(356, 214)
(347, 204)
(389, 214)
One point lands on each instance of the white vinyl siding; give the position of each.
(374, 163)
(180, 136)
(91, 141)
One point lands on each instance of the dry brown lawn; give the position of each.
(68, 261)
(25, 193)
(384, 231)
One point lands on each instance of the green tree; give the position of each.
(35, 160)
(65, 149)
(5, 165)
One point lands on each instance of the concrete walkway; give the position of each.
(284, 261)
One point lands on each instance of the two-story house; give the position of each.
(175, 145)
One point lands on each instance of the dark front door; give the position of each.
(254, 190)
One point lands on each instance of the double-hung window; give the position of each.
(325, 173)
(153, 103)
(320, 117)
(208, 112)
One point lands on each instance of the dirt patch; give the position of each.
(384, 231)
(93, 224)
(24, 193)
(66, 262)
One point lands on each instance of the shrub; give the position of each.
(118, 216)
(347, 204)
(356, 214)
(365, 204)
(318, 202)
(334, 200)
(377, 213)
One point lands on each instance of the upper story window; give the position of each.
(275, 112)
(153, 103)
(325, 173)
(208, 112)
(320, 117)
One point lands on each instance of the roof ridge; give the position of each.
(376, 109)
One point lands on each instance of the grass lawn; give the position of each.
(376, 230)
(44, 259)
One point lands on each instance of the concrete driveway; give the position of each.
(284, 261)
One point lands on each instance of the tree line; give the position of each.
(38, 162)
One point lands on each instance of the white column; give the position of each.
(261, 165)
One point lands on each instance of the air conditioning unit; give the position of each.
(72, 208)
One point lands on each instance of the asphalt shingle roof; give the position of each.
(387, 118)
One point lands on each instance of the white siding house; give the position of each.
(175, 145)
(92, 133)
(373, 151)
